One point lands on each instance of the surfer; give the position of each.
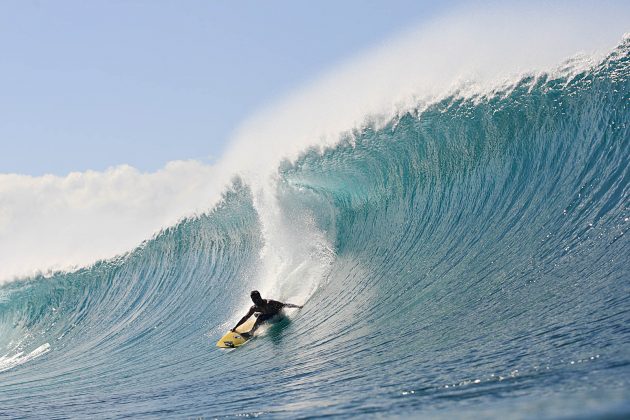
(266, 308)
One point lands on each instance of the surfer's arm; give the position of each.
(245, 318)
(290, 305)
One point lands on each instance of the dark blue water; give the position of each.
(468, 259)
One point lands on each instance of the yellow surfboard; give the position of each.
(234, 339)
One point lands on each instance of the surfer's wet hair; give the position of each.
(255, 294)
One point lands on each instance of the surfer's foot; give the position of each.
(246, 335)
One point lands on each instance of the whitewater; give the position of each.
(460, 252)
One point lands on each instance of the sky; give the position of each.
(92, 85)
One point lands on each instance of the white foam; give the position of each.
(297, 255)
(9, 362)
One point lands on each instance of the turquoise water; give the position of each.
(468, 259)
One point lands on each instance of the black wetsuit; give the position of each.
(266, 311)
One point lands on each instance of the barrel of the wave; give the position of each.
(235, 338)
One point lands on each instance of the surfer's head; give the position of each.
(255, 295)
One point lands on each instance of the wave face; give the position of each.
(467, 259)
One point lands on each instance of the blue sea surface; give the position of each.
(468, 259)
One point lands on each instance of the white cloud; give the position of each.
(53, 222)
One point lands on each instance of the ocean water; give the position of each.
(469, 258)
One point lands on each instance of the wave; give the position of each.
(53, 223)
(467, 255)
